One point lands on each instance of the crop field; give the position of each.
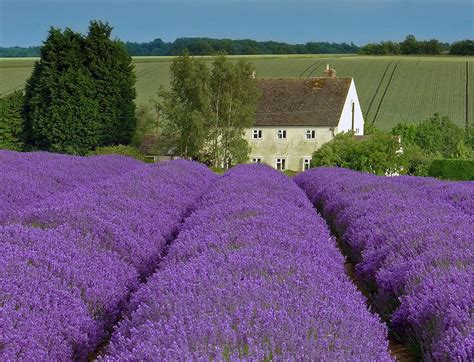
(391, 89)
(170, 261)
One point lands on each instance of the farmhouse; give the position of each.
(295, 116)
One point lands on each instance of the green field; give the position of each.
(391, 89)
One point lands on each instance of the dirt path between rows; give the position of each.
(397, 349)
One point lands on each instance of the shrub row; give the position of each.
(452, 169)
(411, 239)
(254, 274)
(70, 259)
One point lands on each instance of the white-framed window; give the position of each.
(306, 163)
(281, 134)
(256, 134)
(280, 164)
(357, 130)
(256, 160)
(310, 134)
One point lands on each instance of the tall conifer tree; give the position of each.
(70, 97)
(112, 70)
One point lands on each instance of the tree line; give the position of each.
(412, 46)
(210, 46)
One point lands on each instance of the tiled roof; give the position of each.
(301, 101)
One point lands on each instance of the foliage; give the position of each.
(111, 68)
(410, 46)
(436, 136)
(469, 136)
(463, 47)
(80, 94)
(452, 169)
(417, 162)
(407, 132)
(205, 113)
(146, 124)
(208, 46)
(376, 154)
(16, 52)
(11, 121)
(123, 150)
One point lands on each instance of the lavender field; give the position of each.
(108, 258)
(412, 240)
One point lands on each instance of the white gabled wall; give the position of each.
(345, 122)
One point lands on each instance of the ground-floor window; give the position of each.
(256, 160)
(306, 163)
(280, 164)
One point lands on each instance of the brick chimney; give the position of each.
(329, 72)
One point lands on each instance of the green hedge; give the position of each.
(120, 150)
(452, 169)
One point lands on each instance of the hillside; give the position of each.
(391, 89)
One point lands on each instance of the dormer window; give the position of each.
(257, 134)
(310, 134)
(281, 134)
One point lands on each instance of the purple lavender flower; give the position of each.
(412, 239)
(77, 236)
(254, 274)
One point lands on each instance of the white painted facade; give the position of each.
(295, 150)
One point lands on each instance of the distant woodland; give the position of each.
(209, 46)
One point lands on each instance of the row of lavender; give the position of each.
(412, 240)
(76, 243)
(254, 274)
(29, 178)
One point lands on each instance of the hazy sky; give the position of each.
(26, 22)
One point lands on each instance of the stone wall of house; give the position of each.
(295, 148)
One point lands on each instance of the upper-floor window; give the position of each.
(280, 164)
(306, 163)
(256, 160)
(257, 134)
(310, 134)
(281, 134)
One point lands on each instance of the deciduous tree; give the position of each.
(206, 111)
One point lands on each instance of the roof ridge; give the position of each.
(303, 78)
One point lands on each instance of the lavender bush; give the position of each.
(72, 254)
(29, 178)
(254, 275)
(412, 240)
